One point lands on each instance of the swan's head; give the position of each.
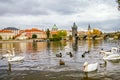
(85, 64)
(114, 49)
(8, 51)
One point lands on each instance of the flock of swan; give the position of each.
(11, 57)
(113, 54)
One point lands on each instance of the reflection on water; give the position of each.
(9, 66)
(75, 45)
(42, 56)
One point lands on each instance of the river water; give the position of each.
(41, 63)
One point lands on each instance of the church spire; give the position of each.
(89, 28)
(74, 25)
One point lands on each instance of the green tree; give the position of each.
(55, 37)
(62, 33)
(48, 33)
(0, 37)
(34, 36)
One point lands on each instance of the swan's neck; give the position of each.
(13, 52)
(105, 55)
(9, 57)
(85, 68)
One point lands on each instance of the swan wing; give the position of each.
(92, 67)
(112, 57)
(108, 53)
(7, 55)
(16, 58)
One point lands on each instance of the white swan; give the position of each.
(90, 67)
(10, 54)
(111, 57)
(15, 58)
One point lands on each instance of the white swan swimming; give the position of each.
(90, 67)
(10, 54)
(15, 58)
(111, 57)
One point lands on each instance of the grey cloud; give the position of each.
(22, 7)
(45, 7)
(49, 8)
(40, 7)
(106, 26)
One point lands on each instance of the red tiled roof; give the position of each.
(33, 30)
(6, 31)
(28, 31)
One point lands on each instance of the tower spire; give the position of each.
(89, 28)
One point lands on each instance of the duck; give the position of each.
(59, 55)
(9, 53)
(90, 67)
(71, 55)
(83, 55)
(87, 51)
(61, 62)
(104, 64)
(111, 57)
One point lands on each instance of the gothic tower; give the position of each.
(89, 28)
(74, 31)
(89, 33)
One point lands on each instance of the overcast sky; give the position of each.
(42, 14)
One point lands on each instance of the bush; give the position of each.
(55, 39)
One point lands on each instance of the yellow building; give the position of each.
(6, 34)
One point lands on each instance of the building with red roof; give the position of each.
(6, 34)
(28, 34)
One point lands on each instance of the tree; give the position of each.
(48, 33)
(34, 36)
(55, 37)
(97, 32)
(0, 37)
(62, 33)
